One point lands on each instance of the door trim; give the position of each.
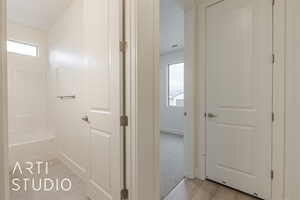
(278, 126)
(4, 181)
(190, 86)
(143, 99)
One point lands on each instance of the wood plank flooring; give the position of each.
(205, 190)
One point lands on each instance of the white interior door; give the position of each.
(102, 26)
(239, 94)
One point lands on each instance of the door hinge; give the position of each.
(124, 194)
(273, 58)
(123, 46)
(273, 2)
(272, 174)
(273, 116)
(124, 120)
(205, 115)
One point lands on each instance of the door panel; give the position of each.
(102, 22)
(239, 94)
(100, 159)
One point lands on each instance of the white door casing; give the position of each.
(239, 94)
(4, 168)
(189, 88)
(102, 26)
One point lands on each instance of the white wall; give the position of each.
(171, 118)
(293, 101)
(171, 25)
(27, 87)
(66, 78)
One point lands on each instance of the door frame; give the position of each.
(143, 33)
(145, 66)
(4, 181)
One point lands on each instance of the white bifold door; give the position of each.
(103, 33)
(239, 94)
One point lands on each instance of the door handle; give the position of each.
(86, 119)
(211, 115)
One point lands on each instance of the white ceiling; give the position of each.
(171, 25)
(40, 14)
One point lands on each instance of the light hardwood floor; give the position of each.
(205, 190)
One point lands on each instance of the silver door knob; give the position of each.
(211, 115)
(86, 118)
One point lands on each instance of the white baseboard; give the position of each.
(73, 166)
(199, 174)
(40, 150)
(200, 170)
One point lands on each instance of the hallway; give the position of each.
(205, 190)
(171, 160)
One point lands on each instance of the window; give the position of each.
(21, 48)
(176, 85)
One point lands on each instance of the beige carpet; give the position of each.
(171, 162)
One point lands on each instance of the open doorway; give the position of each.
(32, 102)
(232, 91)
(171, 94)
(64, 99)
